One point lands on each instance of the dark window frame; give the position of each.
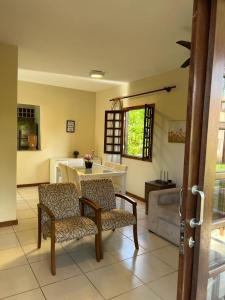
(148, 132)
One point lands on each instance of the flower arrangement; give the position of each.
(88, 157)
(88, 161)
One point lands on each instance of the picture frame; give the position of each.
(70, 126)
(177, 132)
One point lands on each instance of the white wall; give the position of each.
(168, 106)
(8, 99)
(56, 106)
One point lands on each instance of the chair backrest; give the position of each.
(73, 177)
(100, 191)
(120, 167)
(109, 164)
(116, 166)
(61, 198)
(63, 171)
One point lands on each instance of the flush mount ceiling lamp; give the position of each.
(97, 74)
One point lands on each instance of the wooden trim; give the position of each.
(31, 184)
(135, 157)
(8, 223)
(195, 104)
(135, 196)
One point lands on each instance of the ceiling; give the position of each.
(128, 39)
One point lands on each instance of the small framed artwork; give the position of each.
(70, 126)
(177, 132)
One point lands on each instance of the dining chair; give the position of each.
(63, 172)
(101, 192)
(61, 217)
(73, 177)
(116, 181)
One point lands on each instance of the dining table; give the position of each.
(101, 171)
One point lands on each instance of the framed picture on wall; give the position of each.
(177, 132)
(70, 126)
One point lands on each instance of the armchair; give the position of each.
(101, 191)
(60, 217)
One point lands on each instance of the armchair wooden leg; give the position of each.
(97, 247)
(39, 228)
(53, 269)
(100, 245)
(135, 236)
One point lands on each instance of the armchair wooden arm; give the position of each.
(128, 199)
(41, 206)
(95, 206)
(131, 201)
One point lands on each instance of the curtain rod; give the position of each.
(167, 89)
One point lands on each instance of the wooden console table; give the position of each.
(155, 186)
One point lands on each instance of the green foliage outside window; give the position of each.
(135, 132)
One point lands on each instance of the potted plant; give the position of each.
(88, 161)
(76, 153)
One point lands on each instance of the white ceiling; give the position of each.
(128, 39)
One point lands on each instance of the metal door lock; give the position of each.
(191, 242)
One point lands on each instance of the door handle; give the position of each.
(194, 222)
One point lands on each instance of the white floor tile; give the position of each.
(8, 240)
(65, 268)
(16, 280)
(169, 255)
(113, 280)
(34, 254)
(7, 229)
(31, 295)
(128, 230)
(22, 205)
(122, 248)
(150, 241)
(147, 267)
(11, 258)
(140, 293)
(26, 224)
(165, 287)
(25, 213)
(86, 259)
(70, 289)
(27, 237)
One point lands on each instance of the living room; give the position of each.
(46, 71)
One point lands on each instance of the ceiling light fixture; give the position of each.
(97, 74)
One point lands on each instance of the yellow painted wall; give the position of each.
(168, 106)
(8, 99)
(56, 106)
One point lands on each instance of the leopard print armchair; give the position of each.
(101, 191)
(61, 219)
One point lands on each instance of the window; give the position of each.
(28, 124)
(130, 132)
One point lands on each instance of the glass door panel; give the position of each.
(216, 282)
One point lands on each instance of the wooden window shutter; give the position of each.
(113, 143)
(148, 132)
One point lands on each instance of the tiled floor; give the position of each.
(124, 273)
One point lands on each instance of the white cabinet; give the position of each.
(54, 170)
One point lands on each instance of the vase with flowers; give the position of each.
(88, 161)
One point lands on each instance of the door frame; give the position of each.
(203, 109)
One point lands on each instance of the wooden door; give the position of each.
(202, 246)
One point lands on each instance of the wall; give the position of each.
(56, 106)
(8, 98)
(168, 106)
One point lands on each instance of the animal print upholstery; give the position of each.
(70, 228)
(63, 200)
(117, 218)
(102, 192)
